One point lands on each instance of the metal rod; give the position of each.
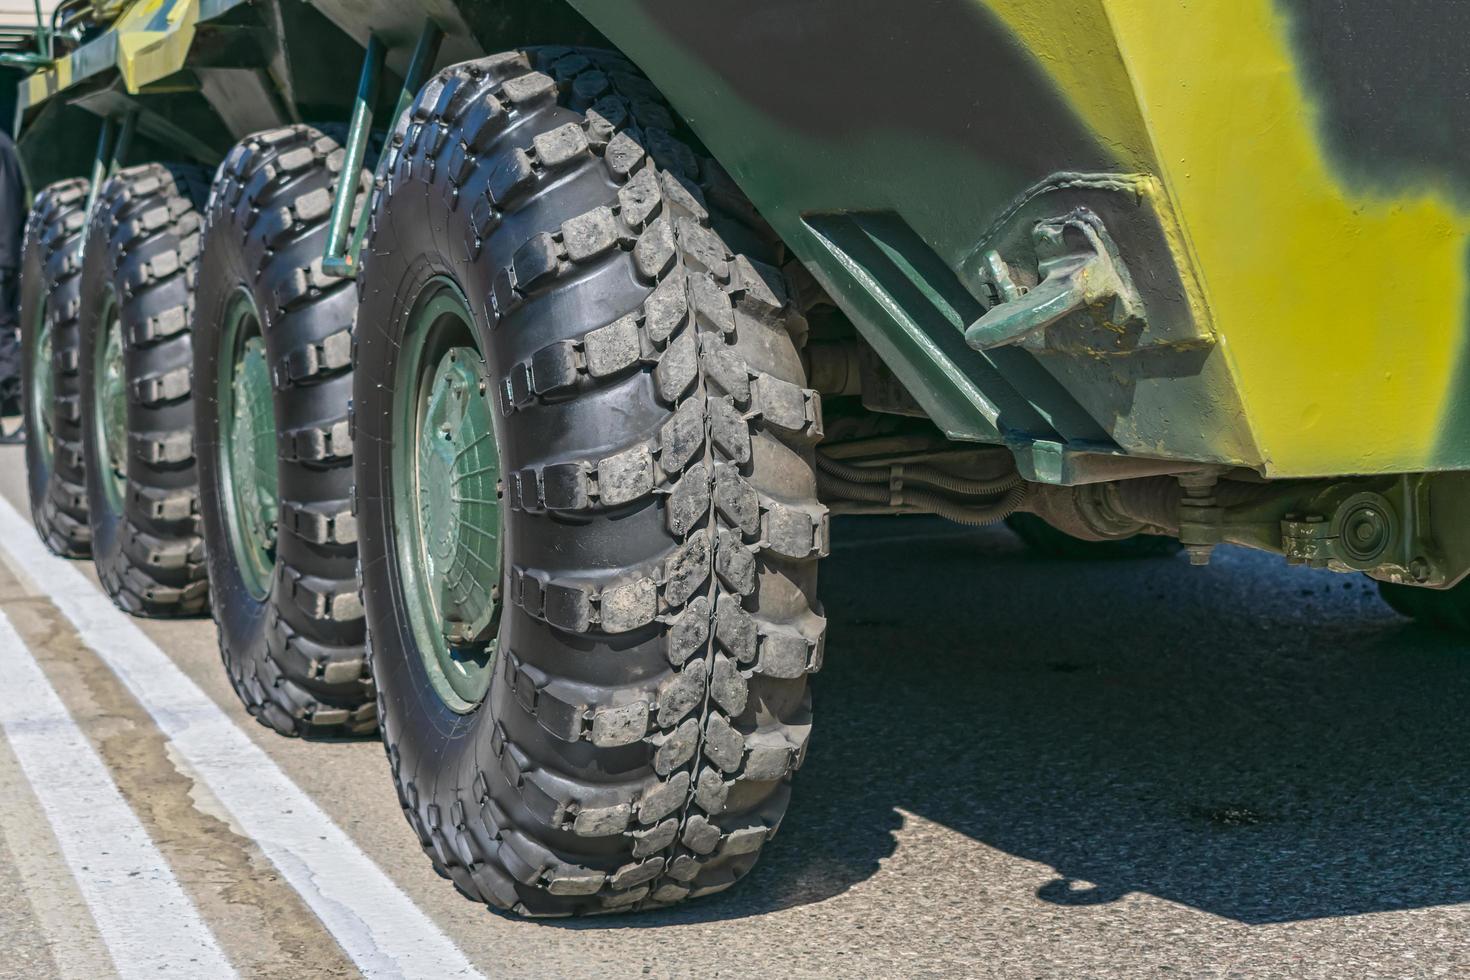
(425, 53)
(124, 142)
(43, 34)
(100, 164)
(335, 259)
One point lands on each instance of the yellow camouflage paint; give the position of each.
(153, 40)
(41, 85)
(1342, 312)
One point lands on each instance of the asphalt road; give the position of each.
(1020, 768)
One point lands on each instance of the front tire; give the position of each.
(137, 420)
(618, 716)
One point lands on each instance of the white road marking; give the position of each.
(55, 898)
(148, 924)
(383, 932)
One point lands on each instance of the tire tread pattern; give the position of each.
(144, 234)
(307, 675)
(52, 266)
(697, 753)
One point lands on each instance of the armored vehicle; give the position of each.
(491, 369)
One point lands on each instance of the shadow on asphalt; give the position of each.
(1263, 743)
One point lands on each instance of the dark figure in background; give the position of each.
(12, 225)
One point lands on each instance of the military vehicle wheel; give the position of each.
(137, 420)
(1445, 608)
(51, 264)
(585, 485)
(273, 371)
(1046, 540)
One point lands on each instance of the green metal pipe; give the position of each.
(43, 34)
(124, 142)
(336, 261)
(425, 52)
(112, 146)
(100, 165)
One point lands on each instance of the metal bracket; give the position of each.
(24, 60)
(1080, 273)
(1348, 528)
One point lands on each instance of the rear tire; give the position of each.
(137, 421)
(51, 265)
(647, 694)
(1447, 609)
(283, 589)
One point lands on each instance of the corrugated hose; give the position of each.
(887, 485)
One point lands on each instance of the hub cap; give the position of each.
(110, 402)
(43, 408)
(446, 505)
(247, 461)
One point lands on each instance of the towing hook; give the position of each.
(1080, 273)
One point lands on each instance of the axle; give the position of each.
(1406, 528)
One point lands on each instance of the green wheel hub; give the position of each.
(247, 446)
(446, 477)
(41, 388)
(110, 407)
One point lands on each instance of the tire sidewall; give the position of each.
(35, 285)
(398, 668)
(295, 653)
(50, 274)
(99, 275)
(415, 240)
(140, 254)
(239, 614)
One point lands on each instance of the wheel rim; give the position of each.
(446, 509)
(247, 446)
(110, 407)
(43, 407)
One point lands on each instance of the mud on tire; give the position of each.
(51, 265)
(293, 645)
(648, 702)
(138, 270)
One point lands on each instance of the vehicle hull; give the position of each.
(1289, 191)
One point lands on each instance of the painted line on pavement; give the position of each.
(380, 929)
(145, 920)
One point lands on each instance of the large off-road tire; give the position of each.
(137, 288)
(51, 265)
(658, 530)
(273, 385)
(1052, 542)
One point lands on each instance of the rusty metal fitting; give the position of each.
(1201, 519)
